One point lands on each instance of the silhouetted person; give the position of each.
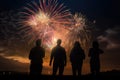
(36, 56)
(59, 55)
(94, 53)
(77, 56)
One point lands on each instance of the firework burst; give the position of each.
(50, 20)
(79, 32)
(43, 19)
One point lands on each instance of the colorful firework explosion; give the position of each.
(44, 20)
(79, 32)
(49, 21)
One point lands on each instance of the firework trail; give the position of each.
(79, 32)
(50, 20)
(47, 20)
(43, 19)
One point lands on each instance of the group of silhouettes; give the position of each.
(58, 58)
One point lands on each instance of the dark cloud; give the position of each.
(110, 42)
(111, 38)
(12, 65)
(11, 41)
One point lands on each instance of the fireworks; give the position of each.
(79, 32)
(44, 19)
(47, 20)
(50, 20)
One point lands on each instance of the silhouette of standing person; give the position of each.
(36, 56)
(77, 56)
(58, 53)
(94, 53)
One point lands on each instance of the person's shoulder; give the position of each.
(42, 48)
(54, 48)
(62, 48)
(33, 49)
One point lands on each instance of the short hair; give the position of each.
(77, 43)
(59, 41)
(38, 42)
(95, 44)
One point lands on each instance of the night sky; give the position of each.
(106, 13)
(108, 9)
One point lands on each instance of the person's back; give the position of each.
(76, 57)
(59, 55)
(94, 54)
(36, 56)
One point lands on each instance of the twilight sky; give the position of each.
(106, 13)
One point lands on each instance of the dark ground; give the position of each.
(9, 75)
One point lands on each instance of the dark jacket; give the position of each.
(36, 55)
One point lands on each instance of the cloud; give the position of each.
(111, 39)
(12, 65)
(110, 42)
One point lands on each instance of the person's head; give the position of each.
(95, 44)
(59, 42)
(77, 44)
(38, 42)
